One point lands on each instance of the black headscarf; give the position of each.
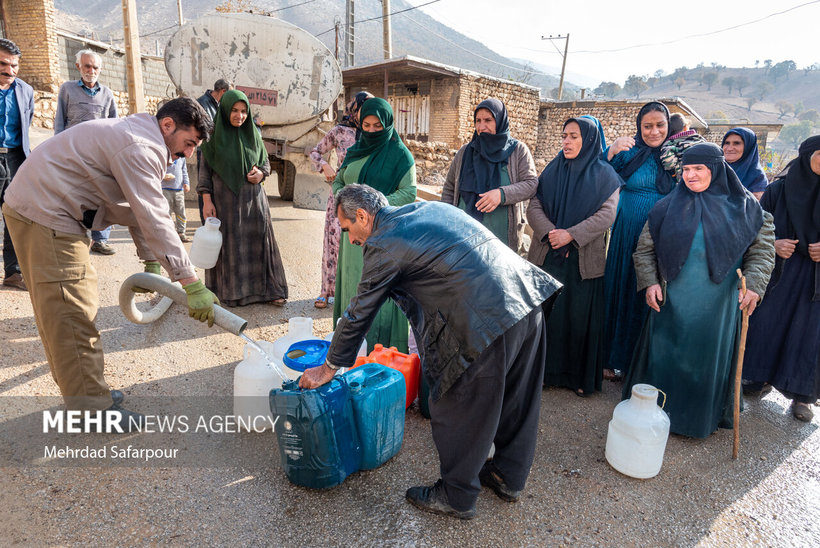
(349, 119)
(730, 214)
(664, 181)
(573, 190)
(484, 157)
(748, 166)
(802, 192)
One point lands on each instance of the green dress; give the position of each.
(497, 220)
(688, 349)
(390, 326)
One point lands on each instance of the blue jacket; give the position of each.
(459, 286)
(24, 94)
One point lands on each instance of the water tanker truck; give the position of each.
(290, 77)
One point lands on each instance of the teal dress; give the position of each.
(625, 306)
(688, 349)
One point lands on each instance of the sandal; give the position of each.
(320, 302)
(279, 302)
(613, 375)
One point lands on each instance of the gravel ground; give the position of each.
(229, 489)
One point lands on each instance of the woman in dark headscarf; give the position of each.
(235, 163)
(493, 175)
(740, 151)
(784, 335)
(693, 242)
(378, 159)
(637, 161)
(570, 214)
(340, 138)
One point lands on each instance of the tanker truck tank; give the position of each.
(290, 77)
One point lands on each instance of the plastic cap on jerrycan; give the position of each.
(638, 431)
(207, 244)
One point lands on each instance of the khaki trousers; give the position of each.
(62, 285)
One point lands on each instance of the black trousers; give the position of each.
(497, 400)
(9, 164)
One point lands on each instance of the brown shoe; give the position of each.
(15, 280)
(102, 248)
(802, 411)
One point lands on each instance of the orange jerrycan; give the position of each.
(408, 364)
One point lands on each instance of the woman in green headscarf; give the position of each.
(378, 159)
(235, 163)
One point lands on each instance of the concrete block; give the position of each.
(310, 192)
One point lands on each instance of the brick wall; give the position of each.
(30, 24)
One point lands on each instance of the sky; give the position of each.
(598, 25)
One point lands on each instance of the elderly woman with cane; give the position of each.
(688, 252)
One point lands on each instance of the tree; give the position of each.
(764, 89)
(651, 81)
(679, 81)
(794, 134)
(659, 74)
(767, 64)
(710, 78)
(810, 116)
(729, 82)
(680, 71)
(809, 68)
(784, 107)
(783, 68)
(608, 89)
(751, 101)
(635, 85)
(718, 117)
(798, 108)
(740, 83)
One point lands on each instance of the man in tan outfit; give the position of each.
(102, 172)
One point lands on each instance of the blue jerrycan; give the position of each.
(318, 443)
(378, 396)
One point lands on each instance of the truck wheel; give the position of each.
(286, 175)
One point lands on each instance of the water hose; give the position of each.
(172, 292)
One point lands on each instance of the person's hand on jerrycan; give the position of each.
(200, 302)
(316, 377)
(151, 267)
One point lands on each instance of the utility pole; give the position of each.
(564, 63)
(350, 34)
(179, 11)
(133, 60)
(387, 30)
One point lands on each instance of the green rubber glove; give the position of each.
(152, 267)
(200, 302)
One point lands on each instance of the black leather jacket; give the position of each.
(458, 284)
(209, 104)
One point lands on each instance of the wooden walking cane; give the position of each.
(744, 327)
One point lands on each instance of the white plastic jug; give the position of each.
(253, 379)
(207, 243)
(637, 434)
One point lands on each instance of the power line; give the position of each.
(700, 35)
(382, 16)
(519, 69)
(293, 6)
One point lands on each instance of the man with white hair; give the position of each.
(82, 100)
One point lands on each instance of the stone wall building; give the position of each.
(434, 105)
(48, 57)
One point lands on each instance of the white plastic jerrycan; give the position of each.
(638, 433)
(207, 243)
(253, 379)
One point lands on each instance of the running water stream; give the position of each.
(272, 364)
